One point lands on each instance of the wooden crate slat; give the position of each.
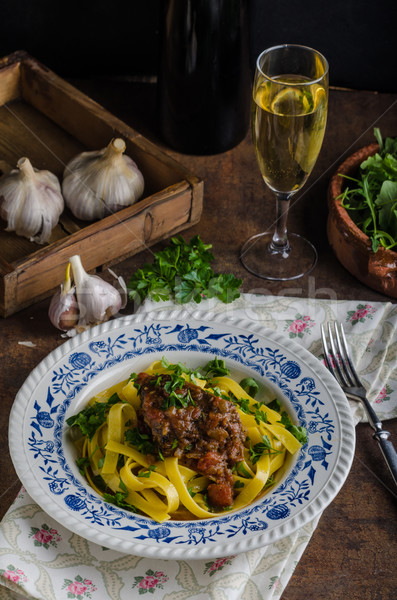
(51, 121)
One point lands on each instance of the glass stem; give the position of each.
(280, 243)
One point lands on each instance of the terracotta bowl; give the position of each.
(350, 245)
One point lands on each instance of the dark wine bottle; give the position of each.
(204, 83)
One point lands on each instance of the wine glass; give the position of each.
(290, 101)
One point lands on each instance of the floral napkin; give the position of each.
(41, 560)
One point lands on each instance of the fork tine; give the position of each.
(330, 366)
(336, 356)
(330, 355)
(349, 367)
(343, 354)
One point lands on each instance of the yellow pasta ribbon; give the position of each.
(129, 393)
(94, 451)
(104, 395)
(158, 513)
(118, 415)
(172, 469)
(154, 480)
(128, 451)
(276, 461)
(285, 436)
(255, 485)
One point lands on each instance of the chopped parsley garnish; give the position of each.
(244, 406)
(118, 498)
(271, 481)
(215, 368)
(299, 433)
(141, 441)
(147, 472)
(241, 470)
(238, 485)
(177, 395)
(259, 449)
(92, 417)
(259, 415)
(83, 463)
(250, 386)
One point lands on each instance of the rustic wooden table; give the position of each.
(353, 552)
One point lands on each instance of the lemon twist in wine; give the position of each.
(288, 130)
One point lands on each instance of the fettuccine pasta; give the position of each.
(135, 453)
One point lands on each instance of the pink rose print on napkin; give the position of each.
(79, 588)
(45, 537)
(362, 313)
(275, 583)
(299, 326)
(13, 574)
(384, 394)
(150, 582)
(214, 566)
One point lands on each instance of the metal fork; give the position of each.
(341, 366)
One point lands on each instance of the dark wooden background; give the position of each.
(100, 38)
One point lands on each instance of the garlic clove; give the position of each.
(98, 300)
(64, 310)
(121, 286)
(31, 201)
(99, 183)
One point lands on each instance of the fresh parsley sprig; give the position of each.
(182, 272)
(119, 498)
(259, 449)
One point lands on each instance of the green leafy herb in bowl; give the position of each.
(371, 200)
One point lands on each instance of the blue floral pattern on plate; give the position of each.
(310, 395)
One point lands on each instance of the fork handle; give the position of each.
(380, 435)
(388, 451)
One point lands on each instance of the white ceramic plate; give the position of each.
(64, 381)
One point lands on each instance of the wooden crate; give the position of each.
(49, 121)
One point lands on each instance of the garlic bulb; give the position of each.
(30, 201)
(64, 310)
(98, 300)
(97, 184)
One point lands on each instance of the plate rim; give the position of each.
(324, 497)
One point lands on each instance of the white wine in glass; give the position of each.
(289, 115)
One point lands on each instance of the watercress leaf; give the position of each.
(386, 202)
(378, 136)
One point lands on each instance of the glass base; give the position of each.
(258, 257)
